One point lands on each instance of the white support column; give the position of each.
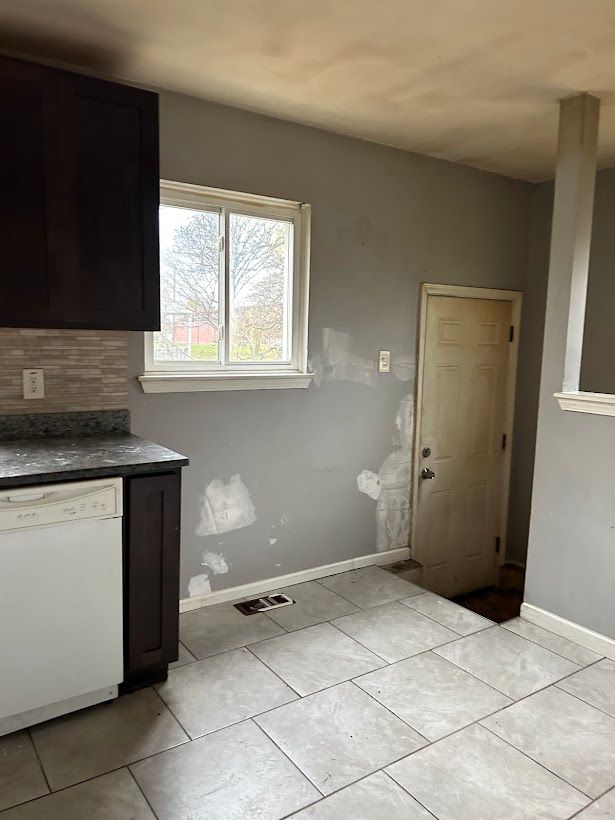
(571, 232)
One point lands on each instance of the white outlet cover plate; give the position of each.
(384, 361)
(33, 383)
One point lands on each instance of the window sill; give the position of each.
(599, 404)
(199, 382)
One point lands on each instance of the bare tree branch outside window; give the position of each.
(190, 282)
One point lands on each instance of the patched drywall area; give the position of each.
(225, 507)
(284, 480)
(391, 487)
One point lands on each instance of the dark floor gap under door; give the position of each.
(499, 603)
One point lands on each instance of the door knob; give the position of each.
(427, 473)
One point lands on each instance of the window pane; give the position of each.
(189, 285)
(259, 283)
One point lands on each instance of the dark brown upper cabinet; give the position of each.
(79, 201)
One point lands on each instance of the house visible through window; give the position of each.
(233, 288)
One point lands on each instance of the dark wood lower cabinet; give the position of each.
(151, 576)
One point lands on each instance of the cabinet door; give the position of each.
(78, 201)
(112, 237)
(151, 579)
(25, 94)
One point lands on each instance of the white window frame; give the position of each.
(193, 376)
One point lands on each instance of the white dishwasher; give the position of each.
(61, 641)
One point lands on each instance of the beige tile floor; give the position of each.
(368, 698)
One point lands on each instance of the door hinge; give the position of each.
(497, 543)
(503, 441)
(511, 335)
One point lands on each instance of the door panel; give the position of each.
(465, 368)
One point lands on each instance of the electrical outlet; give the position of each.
(33, 384)
(384, 361)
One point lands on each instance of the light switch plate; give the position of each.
(33, 384)
(384, 361)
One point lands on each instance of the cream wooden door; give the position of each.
(465, 370)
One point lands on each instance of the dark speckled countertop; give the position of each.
(40, 460)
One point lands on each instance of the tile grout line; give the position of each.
(365, 608)
(138, 785)
(354, 783)
(392, 663)
(594, 801)
(436, 621)
(397, 717)
(362, 777)
(515, 700)
(289, 758)
(125, 765)
(542, 766)
(531, 640)
(321, 623)
(448, 734)
(392, 779)
(173, 715)
(81, 782)
(279, 677)
(512, 746)
(39, 760)
(580, 699)
(341, 631)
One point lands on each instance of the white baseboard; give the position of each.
(259, 587)
(568, 629)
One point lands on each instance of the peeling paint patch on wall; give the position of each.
(199, 585)
(337, 362)
(225, 507)
(216, 564)
(391, 486)
(368, 482)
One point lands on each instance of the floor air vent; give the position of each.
(264, 604)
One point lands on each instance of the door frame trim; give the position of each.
(515, 297)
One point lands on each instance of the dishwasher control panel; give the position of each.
(59, 503)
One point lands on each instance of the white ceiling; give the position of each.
(472, 81)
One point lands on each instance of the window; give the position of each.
(233, 292)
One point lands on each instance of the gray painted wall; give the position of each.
(571, 557)
(383, 221)
(528, 377)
